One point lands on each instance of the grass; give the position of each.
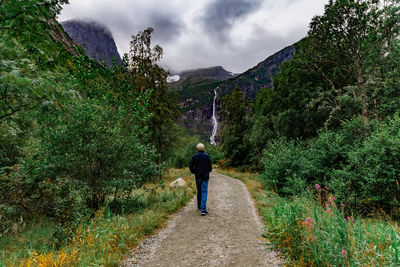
(313, 230)
(104, 240)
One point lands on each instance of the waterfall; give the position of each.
(214, 120)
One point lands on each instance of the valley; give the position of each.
(95, 146)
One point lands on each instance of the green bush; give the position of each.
(185, 148)
(86, 152)
(291, 165)
(372, 176)
(284, 167)
(183, 152)
(360, 162)
(99, 145)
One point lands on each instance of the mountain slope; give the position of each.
(97, 40)
(196, 87)
(254, 79)
(197, 114)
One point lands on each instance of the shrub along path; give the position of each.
(231, 235)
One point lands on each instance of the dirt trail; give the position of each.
(229, 236)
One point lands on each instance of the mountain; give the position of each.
(254, 79)
(215, 73)
(197, 112)
(97, 40)
(196, 86)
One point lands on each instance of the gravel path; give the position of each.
(231, 235)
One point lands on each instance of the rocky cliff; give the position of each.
(197, 116)
(96, 39)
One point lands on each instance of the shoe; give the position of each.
(203, 213)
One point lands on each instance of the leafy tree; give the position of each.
(234, 126)
(72, 133)
(343, 68)
(12, 12)
(339, 94)
(26, 85)
(354, 39)
(148, 76)
(22, 87)
(98, 145)
(285, 109)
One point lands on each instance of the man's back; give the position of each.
(200, 165)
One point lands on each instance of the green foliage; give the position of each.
(234, 125)
(102, 240)
(148, 76)
(312, 235)
(313, 230)
(354, 38)
(74, 134)
(344, 68)
(40, 235)
(290, 166)
(320, 121)
(183, 153)
(86, 152)
(185, 148)
(371, 177)
(25, 86)
(12, 11)
(283, 165)
(92, 143)
(359, 162)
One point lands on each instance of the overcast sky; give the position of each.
(235, 34)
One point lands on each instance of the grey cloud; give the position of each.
(166, 27)
(201, 33)
(220, 15)
(125, 21)
(234, 57)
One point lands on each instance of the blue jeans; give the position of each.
(202, 191)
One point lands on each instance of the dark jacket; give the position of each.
(200, 165)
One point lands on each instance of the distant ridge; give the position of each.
(216, 73)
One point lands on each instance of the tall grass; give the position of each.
(104, 240)
(313, 230)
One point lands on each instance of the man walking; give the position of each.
(200, 165)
